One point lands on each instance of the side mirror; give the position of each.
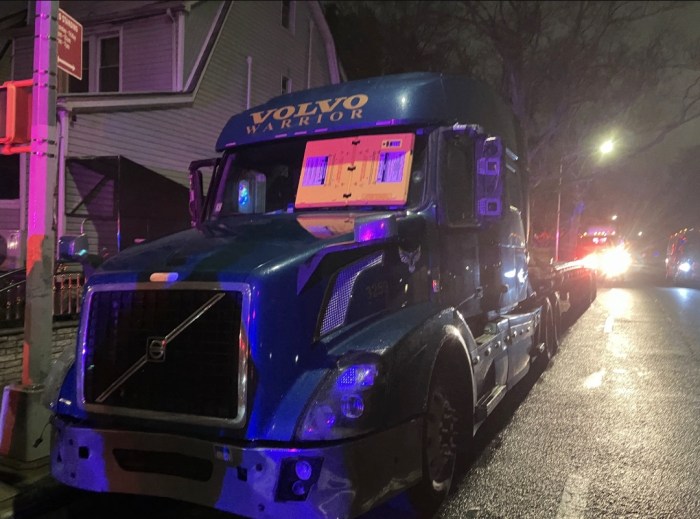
(73, 248)
(198, 202)
(489, 179)
(196, 198)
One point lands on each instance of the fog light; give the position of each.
(303, 470)
(297, 478)
(298, 488)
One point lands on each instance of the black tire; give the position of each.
(556, 317)
(547, 333)
(585, 294)
(590, 292)
(443, 424)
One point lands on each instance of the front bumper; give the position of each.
(349, 478)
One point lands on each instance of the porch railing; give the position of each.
(67, 291)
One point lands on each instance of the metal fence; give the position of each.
(67, 292)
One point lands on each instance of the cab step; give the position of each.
(488, 402)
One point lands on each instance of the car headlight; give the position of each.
(616, 262)
(591, 261)
(346, 403)
(684, 267)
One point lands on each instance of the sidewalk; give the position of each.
(24, 492)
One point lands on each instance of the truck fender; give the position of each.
(414, 358)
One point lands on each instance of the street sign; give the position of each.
(70, 45)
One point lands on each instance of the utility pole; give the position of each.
(556, 237)
(43, 164)
(23, 416)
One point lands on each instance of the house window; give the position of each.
(109, 64)
(101, 70)
(286, 85)
(288, 14)
(9, 177)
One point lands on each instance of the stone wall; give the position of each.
(11, 349)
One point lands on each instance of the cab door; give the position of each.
(459, 250)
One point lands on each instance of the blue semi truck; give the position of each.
(352, 301)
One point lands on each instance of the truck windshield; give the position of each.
(372, 171)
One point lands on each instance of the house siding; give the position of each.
(82, 10)
(22, 60)
(285, 51)
(6, 66)
(147, 54)
(166, 140)
(9, 215)
(198, 22)
(320, 75)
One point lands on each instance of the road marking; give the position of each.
(573, 498)
(594, 380)
(608, 328)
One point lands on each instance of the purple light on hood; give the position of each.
(375, 228)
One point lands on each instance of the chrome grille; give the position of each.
(178, 352)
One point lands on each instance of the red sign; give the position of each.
(70, 45)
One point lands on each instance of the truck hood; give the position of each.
(294, 267)
(234, 247)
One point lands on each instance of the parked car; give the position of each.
(683, 257)
(606, 254)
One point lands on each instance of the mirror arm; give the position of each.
(198, 202)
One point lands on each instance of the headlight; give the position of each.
(345, 403)
(615, 262)
(591, 261)
(684, 267)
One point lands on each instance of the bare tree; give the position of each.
(572, 69)
(573, 72)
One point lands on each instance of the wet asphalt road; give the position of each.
(610, 429)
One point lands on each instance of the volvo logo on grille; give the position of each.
(155, 351)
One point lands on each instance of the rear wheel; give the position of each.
(444, 421)
(547, 335)
(556, 319)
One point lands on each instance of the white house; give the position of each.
(160, 79)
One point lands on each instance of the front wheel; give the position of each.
(443, 420)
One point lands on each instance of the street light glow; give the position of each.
(607, 147)
(640, 233)
(614, 217)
